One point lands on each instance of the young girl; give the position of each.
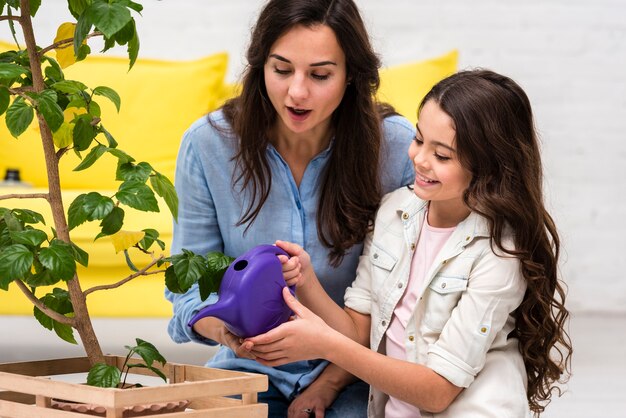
(458, 281)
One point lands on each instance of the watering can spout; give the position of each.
(250, 295)
(220, 309)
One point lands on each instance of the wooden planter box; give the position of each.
(26, 392)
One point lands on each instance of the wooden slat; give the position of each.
(47, 367)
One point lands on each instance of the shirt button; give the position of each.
(384, 323)
(411, 338)
(405, 216)
(375, 256)
(467, 238)
(412, 247)
(400, 285)
(443, 285)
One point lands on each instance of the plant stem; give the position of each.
(82, 320)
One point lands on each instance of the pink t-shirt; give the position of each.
(429, 243)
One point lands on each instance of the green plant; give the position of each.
(33, 86)
(106, 376)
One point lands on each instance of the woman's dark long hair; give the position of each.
(497, 142)
(350, 191)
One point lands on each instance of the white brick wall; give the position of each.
(570, 55)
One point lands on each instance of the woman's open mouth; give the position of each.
(298, 114)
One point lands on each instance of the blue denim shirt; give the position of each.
(210, 206)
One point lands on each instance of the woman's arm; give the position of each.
(310, 337)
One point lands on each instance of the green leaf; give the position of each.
(93, 156)
(133, 172)
(84, 133)
(19, 116)
(80, 255)
(133, 50)
(147, 352)
(8, 70)
(30, 237)
(59, 259)
(51, 111)
(28, 216)
(217, 264)
(110, 94)
(150, 238)
(65, 332)
(138, 196)
(57, 301)
(12, 221)
(34, 6)
(69, 86)
(75, 214)
(171, 281)
(112, 223)
(104, 376)
(5, 99)
(83, 27)
(126, 33)
(121, 155)
(54, 71)
(97, 206)
(164, 188)
(77, 7)
(189, 268)
(41, 278)
(108, 18)
(109, 137)
(15, 262)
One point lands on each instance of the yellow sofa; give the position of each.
(160, 99)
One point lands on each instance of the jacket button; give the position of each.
(443, 285)
(412, 247)
(400, 285)
(375, 256)
(467, 238)
(384, 323)
(444, 261)
(405, 216)
(411, 338)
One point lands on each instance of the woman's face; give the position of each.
(439, 175)
(305, 77)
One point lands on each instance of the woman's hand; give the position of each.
(297, 267)
(303, 338)
(214, 328)
(315, 398)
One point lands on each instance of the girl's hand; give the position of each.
(296, 268)
(303, 338)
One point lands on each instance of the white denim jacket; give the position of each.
(460, 325)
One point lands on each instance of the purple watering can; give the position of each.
(250, 295)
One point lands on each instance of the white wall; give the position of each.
(570, 55)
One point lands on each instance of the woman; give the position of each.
(304, 152)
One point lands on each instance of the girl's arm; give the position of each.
(310, 337)
(298, 271)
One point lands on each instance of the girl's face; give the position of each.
(439, 176)
(305, 77)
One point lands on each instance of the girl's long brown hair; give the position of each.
(497, 142)
(351, 190)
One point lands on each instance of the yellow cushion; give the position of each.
(404, 86)
(160, 99)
